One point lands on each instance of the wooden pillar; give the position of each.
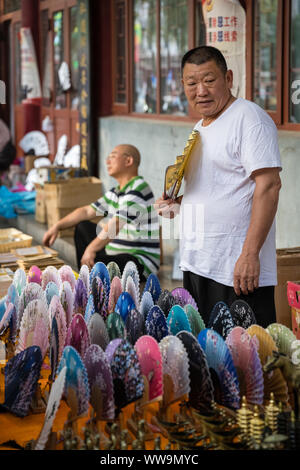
(32, 107)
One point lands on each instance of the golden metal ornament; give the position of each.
(244, 416)
(174, 173)
(271, 414)
(256, 426)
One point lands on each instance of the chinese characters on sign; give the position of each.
(225, 30)
(84, 85)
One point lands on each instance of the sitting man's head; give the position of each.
(122, 161)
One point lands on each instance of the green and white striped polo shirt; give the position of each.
(140, 235)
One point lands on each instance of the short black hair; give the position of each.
(201, 54)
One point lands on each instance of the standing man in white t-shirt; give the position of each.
(232, 184)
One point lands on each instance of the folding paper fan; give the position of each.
(97, 331)
(66, 297)
(133, 291)
(115, 326)
(22, 373)
(242, 314)
(84, 275)
(9, 321)
(19, 280)
(51, 289)
(295, 352)
(99, 269)
(175, 365)
(220, 319)
(99, 296)
(100, 382)
(54, 348)
(195, 319)
(183, 297)
(78, 334)
(124, 305)
(166, 301)
(35, 275)
(54, 399)
(80, 297)
(202, 391)
(282, 336)
(113, 270)
(90, 308)
(222, 369)
(51, 274)
(146, 303)
(156, 324)
(34, 328)
(31, 292)
(114, 293)
(177, 320)
(56, 310)
(111, 348)
(3, 306)
(76, 381)
(174, 173)
(134, 326)
(130, 269)
(150, 360)
(12, 296)
(153, 286)
(247, 364)
(126, 373)
(274, 381)
(35, 141)
(66, 274)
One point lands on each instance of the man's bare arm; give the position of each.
(264, 207)
(70, 220)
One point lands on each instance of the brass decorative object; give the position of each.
(244, 416)
(256, 427)
(271, 414)
(174, 173)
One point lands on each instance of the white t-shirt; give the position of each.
(216, 206)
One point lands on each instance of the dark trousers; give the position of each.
(85, 232)
(207, 293)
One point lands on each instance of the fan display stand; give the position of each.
(119, 423)
(38, 404)
(139, 415)
(94, 423)
(165, 415)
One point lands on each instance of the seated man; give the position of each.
(132, 230)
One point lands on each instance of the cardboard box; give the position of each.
(40, 204)
(63, 197)
(293, 295)
(288, 268)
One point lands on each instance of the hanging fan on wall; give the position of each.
(36, 143)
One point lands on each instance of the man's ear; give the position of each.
(229, 78)
(129, 160)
